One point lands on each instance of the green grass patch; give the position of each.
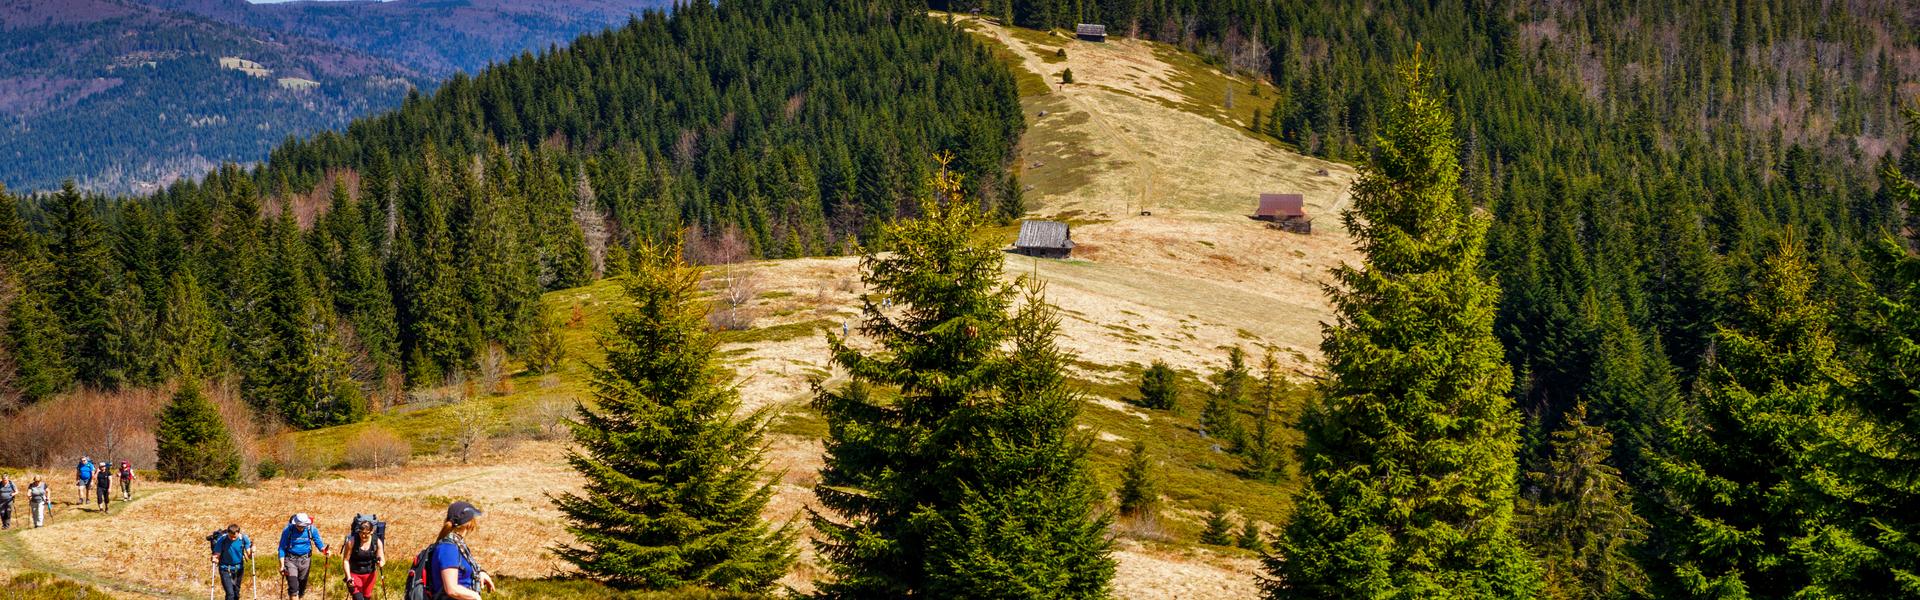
(35, 585)
(776, 333)
(1204, 89)
(1191, 474)
(799, 420)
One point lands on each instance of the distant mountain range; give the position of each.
(129, 95)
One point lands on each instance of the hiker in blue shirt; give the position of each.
(231, 549)
(85, 477)
(451, 573)
(297, 543)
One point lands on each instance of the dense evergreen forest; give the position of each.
(408, 248)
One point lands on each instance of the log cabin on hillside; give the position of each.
(1044, 239)
(1090, 32)
(1285, 212)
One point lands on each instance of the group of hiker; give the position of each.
(90, 476)
(99, 477)
(444, 570)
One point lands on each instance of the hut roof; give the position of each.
(1044, 234)
(1281, 205)
(1090, 29)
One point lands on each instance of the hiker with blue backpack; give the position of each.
(366, 552)
(231, 551)
(445, 570)
(297, 544)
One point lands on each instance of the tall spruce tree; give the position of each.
(189, 338)
(83, 278)
(675, 481)
(1732, 478)
(194, 443)
(1220, 417)
(1867, 451)
(1579, 517)
(1410, 461)
(952, 467)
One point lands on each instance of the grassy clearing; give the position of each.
(1055, 159)
(1205, 90)
(1192, 473)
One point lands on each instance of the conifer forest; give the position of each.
(1626, 305)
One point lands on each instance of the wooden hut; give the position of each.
(1090, 32)
(1284, 211)
(1044, 239)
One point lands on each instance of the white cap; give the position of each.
(302, 519)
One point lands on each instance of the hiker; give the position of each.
(451, 573)
(85, 476)
(7, 492)
(126, 481)
(365, 554)
(297, 543)
(37, 501)
(231, 551)
(104, 477)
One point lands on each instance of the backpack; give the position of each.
(379, 528)
(416, 587)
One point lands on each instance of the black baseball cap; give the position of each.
(462, 512)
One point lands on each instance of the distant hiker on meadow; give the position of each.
(126, 480)
(7, 491)
(297, 543)
(450, 571)
(85, 476)
(104, 478)
(366, 553)
(37, 501)
(231, 551)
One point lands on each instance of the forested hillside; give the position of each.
(1684, 198)
(415, 244)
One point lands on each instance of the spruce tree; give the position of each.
(38, 347)
(676, 482)
(1220, 418)
(1863, 461)
(1410, 458)
(1731, 479)
(953, 469)
(545, 346)
(1159, 387)
(83, 276)
(1138, 496)
(189, 338)
(194, 443)
(1579, 517)
(1218, 530)
(1266, 451)
(1250, 537)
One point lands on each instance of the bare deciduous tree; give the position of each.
(592, 222)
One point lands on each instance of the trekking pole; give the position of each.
(213, 583)
(326, 579)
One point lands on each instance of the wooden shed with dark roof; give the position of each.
(1090, 32)
(1284, 211)
(1044, 239)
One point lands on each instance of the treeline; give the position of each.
(412, 249)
